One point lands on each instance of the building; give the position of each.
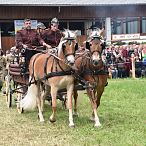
(123, 20)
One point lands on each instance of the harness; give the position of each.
(56, 60)
(86, 69)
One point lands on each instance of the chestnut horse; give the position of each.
(54, 70)
(92, 69)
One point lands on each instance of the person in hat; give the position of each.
(40, 28)
(28, 39)
(52, 35)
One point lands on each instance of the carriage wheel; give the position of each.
(8, 91)
(9, 99)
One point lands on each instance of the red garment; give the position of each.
(52, 38)
(125, 53)
(28, 37)
(128, 66)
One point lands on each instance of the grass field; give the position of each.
(122, 114)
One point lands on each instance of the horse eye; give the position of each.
(63, 46)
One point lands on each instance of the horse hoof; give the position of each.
(52, 120)
(20, 110)
(97, 125)
(42, 120)
(92, 119)
(75, 114)
(72, 126)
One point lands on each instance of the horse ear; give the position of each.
(102, 32)
(76, 32)
(65, 29)
(87, 45)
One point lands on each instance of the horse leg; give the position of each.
(40, 114)
(53, 94)
(100, 88)
(42, 91)
(69, 97)
(91, 94)
(102, 81)
(75, 102)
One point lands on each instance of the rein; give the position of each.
(57, 60)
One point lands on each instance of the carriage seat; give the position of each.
(16, 69)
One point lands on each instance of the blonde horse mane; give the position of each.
(60, 46)
(67, 34)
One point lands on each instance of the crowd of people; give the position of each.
(118, 60)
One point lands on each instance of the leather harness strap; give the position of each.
(33, 68)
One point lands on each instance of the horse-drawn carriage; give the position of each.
(16, 80)
(59, 71)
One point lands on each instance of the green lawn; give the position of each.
(122, 114)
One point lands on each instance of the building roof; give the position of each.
(70, 2)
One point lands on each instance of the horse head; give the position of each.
(95, 44)
(68, 46)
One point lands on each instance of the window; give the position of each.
(62, 25)
(125, 25)
(77, 26)
(117, 26)
(132, 24)
(7, 28)
(143, 24)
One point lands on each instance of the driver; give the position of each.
(28, 39)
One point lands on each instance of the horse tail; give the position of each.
(29, 102)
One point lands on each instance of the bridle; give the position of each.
(71, 42)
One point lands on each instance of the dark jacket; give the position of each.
(28, 37)
(52, 38)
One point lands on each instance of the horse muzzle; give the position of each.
(70, 60)
(70, 63)
(95, 62)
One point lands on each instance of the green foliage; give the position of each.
(122, 114)
(143, 42)
(134, 42)
(119, 43)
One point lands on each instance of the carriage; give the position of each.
(17, 80)
(58, 72)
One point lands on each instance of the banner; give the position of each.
(117, 37)
(19, 24)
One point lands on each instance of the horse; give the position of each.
(54, 70)
(93, 72)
